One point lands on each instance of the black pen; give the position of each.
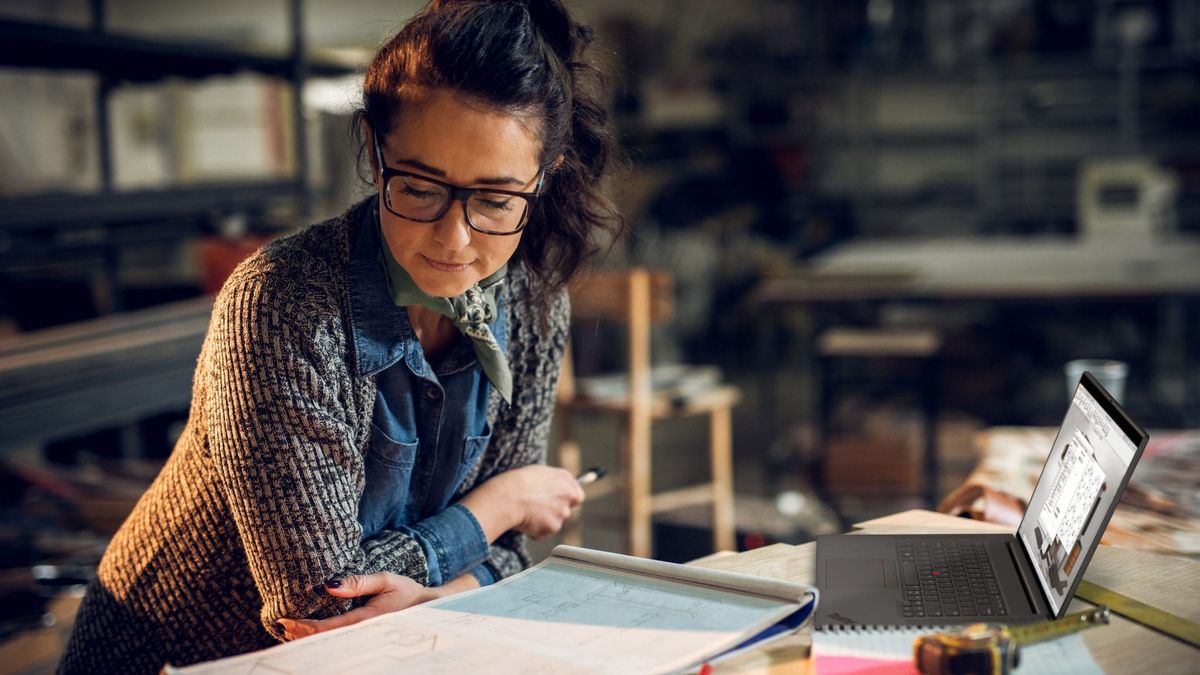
(593, 474)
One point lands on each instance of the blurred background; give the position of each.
(879, 230)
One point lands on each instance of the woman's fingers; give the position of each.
(353, 616)
(389, 593)
(366, 584)
(298, 628)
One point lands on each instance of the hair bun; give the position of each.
(556, 27)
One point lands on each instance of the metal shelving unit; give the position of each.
(118, 59)
(1009, 145)
(134, 59)
(115, 370)
(72, 210)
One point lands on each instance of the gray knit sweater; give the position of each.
(257, 505)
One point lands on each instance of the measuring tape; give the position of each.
(991, 648)
(1135, 610)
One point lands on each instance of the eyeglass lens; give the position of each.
(416, 199)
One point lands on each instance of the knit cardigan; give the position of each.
(257, 505)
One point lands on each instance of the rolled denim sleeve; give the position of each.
(484, 575)
(453, 541)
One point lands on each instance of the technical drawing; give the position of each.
(376, 648)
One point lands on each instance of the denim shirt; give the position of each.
(428, 428)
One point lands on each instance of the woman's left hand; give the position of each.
(391, 592)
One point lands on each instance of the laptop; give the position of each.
(929, 580)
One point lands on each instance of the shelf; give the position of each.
(901, 139)
(1037, 66)
(939, 195)
(88, 210)
(33, 45)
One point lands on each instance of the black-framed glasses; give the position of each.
(426, 200)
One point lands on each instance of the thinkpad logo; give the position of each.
(842, 619)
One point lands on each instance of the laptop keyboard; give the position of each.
(948, 579)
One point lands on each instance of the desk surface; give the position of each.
(1011, 459)
(1170, 583)
(996, 268)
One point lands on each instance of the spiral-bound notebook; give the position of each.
(884, 651)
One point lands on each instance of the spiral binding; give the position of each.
(876, 628)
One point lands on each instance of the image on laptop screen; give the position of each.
(1082, 477)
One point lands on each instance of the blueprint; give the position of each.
(562, 616)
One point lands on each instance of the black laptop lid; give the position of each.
(1089, 465)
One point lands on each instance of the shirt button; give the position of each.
(432, 393)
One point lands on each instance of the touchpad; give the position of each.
(860, 573)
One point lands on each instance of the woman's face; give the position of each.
(439, 137)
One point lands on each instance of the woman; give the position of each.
(374, 393)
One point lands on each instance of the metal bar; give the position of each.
(37, 45)
(90, 210)
(1140, 612)
(299, 73)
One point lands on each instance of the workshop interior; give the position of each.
(871, 247)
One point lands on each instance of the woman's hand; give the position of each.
(392, 593)
(547, 495)
(533, 499)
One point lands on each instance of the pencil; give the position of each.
(592, 475)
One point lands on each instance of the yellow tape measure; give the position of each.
(993, 648)
(1135, 610)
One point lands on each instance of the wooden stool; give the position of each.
(640, 298)
(854, 343)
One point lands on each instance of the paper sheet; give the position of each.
(882, 652)
(562, 616)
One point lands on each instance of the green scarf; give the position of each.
(471, 312)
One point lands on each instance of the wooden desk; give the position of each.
(1010, 459)
(1005, 275)
(1122, 647)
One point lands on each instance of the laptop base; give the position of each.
(923, 580)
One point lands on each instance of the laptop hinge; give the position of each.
(1026, 584)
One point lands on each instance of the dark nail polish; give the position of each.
(333, 583)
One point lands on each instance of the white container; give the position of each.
(1110, 373)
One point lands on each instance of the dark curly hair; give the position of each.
(525, 58)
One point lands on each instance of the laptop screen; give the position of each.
(1083, 477)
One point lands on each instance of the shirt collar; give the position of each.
(381, 331)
